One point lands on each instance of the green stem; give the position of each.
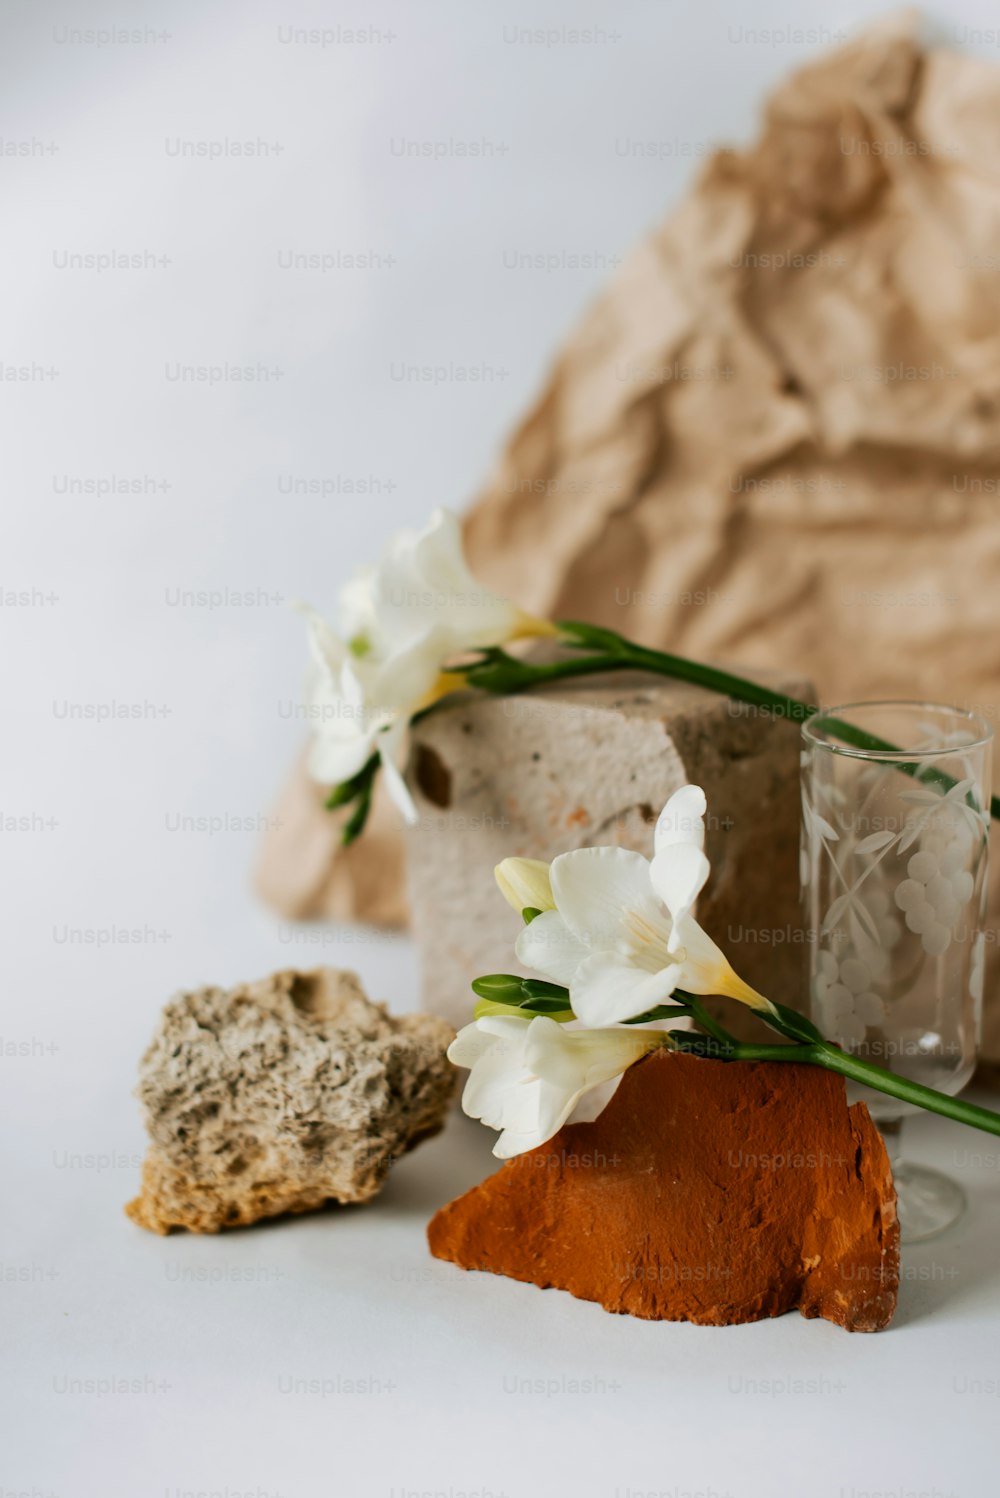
(506, 991)
(701, 1017)
(350, 790)
(776, 704)
(909, 1092)
(502, 673)
(831, 1059)
(355, 824)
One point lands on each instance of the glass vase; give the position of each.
(894, 858)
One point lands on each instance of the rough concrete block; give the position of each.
(583, 763)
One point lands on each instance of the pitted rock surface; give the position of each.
(280, 1095)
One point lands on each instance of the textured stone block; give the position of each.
(706, 1191)
(281, 1095)
(590, 762)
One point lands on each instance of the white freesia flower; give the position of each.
(528, 1076)
(423, 593)
(400, 623)
(361, 705)
(622, 936)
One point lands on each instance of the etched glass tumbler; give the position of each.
(894, 855)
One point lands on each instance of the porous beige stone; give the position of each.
(583, 763)
(281, 1095)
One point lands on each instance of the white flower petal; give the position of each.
(333, 760)
(681, 820)
(475, 615)
(423, 585)
(705, 968)
(470, 1045)
(592, 1103)
(356, 615)
(545, 1110)
(678, 875)
(345, 730)
(573, 1057)
(389, 747)
(437, 557)
(549, 1053)
(607, 990)
(492, 1092)
(504, 1026)
(346, 722)
(403, 681)
(549, 947)
(328, 651)
(601, 892)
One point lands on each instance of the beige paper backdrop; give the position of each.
(775, 438)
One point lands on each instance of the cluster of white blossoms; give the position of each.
(400, 625)
(618, 931)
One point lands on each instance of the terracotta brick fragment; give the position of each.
(707, 1191)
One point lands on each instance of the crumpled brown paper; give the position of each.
(775, 438)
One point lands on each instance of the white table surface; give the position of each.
(93, 620)
(332, 1355)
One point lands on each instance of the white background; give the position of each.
(97, 621)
